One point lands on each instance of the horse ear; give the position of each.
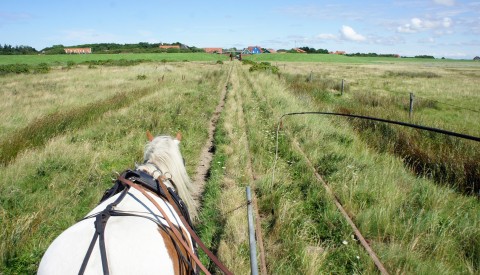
(149, 136)
(179, 136)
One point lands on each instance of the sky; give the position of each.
(442, 28)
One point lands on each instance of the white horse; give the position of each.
(137, 238)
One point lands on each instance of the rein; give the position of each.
(174, 229)
(161, 189)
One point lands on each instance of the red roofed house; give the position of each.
(78, 50)
(213, 50)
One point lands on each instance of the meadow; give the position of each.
(63, 59)
(80, 125)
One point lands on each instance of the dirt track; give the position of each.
(207, 152)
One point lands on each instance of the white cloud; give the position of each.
(447, 22)
(448, 3)
(350, 34)
(417, 25)
(407, 28)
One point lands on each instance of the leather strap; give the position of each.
(173, 227)
(194, 235)
(100, 224)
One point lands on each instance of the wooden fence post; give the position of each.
(343, 86)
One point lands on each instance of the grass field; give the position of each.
(75, 127)
(332, 58)
(445, 97)
(63, 59)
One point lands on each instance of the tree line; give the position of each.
(372, 55)
(313, 50)
(142, 47)
(112, 48)
(9, 49)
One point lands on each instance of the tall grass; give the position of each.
(43, 129)
(304, 232)
(46, 189)
(449, 161)
(30, 97)
(414, 225)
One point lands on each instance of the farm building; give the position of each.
(299, 50)
(246, 51)
(173, 46)
(255, 49)
(169, 46)
(78, 50)
(213, 50)
(476, 58)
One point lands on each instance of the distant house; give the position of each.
(265, 50)
(476, 58)
(298, 50)
(213, 50)
(78, 50)
(255, 49)
(338, 52)
(246, 51)
(169, 46)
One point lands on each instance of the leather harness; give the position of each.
(138, 179)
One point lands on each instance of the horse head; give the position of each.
(162, 156)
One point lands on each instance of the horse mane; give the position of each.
(164, 153)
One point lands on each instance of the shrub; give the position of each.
(120, 62)
(264, 66)
(219, 62)
(41, 68)
(411, 74)
(14, 68)
(141, 77)
(71, 64)
(248, 62)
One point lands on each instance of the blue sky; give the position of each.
(443, 28)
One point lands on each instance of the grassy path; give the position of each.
(413, 225)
